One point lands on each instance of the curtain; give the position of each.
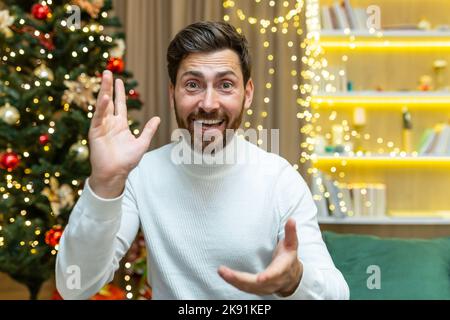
(149, 27)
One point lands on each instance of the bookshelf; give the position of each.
(415, 100)
(385, 40)
(385, 68)
(406, 163)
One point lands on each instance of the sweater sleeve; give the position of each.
(320, 279)
(99, 233)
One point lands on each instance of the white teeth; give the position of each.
(208, 122)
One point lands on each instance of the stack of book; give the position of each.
(337, 82)
(348, 200)
(435, 141)
(340, 16)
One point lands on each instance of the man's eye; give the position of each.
(227, 85)
(192, 85)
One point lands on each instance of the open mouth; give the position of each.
(210, 123)
(207, 124)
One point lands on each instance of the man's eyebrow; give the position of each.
(200, 75)
(192, 73)
(226, 73)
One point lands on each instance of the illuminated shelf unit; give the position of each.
(386, 100)
(385, 40)
(388, 42)
(407, 162)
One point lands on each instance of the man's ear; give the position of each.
(171, 94)
(249, 89)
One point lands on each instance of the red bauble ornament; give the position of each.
(9, 161)
(44, 139)
(133, 94)
(40, 12)
(53, 235)
(115, 65)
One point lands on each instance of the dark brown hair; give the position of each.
(207, 36)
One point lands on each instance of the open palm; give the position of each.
(114, 150)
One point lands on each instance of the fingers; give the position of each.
(242, 280)
(290, 235)
(275, 269)
(248, 282)
(100, 111)
(149, 131)
(107, 84)
(120, 100)
(104, 99)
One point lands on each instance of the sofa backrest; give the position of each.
(392, 268)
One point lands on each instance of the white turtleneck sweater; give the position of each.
(195, 218)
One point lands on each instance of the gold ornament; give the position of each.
(59, 197)
(9, 114)
(81, 92)
(5, 22)
(92, 7)
(424, 24)
(80, 151)
(43, 72)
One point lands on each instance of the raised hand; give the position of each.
(114, 150)
(283, 274)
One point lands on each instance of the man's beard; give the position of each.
(230, 128)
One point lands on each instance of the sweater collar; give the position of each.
(207, 165)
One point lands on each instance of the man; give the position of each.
(241, 230)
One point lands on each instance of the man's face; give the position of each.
(210, 93)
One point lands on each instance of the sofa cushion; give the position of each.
(408, 268)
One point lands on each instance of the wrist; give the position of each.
(107, 188)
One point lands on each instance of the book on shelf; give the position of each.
(338, 17)
(325, 18)
(369, 200)
(443, 142)
(347, 200)
(318, 192)
(426, 141)
(338, 84)
(350, 15)
(435, 141)
(361, 18)
(334, 197)
(342, 15)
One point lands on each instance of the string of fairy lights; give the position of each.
(319, 70)
(289, 22)
(316, 69)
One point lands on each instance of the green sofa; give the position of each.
(392, 268)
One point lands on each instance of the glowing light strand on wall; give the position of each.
(280, 23)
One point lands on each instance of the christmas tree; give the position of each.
(52, 56)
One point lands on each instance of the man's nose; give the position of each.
(210, 101)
